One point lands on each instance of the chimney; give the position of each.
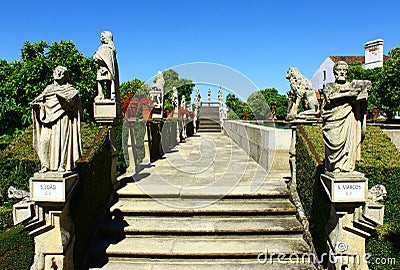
(373, 54)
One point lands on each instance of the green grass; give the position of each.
(16, 249)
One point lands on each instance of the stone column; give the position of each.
(354, 215)
(47, 215)
(131, 147)
(147, 142)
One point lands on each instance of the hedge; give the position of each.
(91, 194)
(381, 165)
(315, 202)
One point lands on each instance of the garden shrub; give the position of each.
(315, 203)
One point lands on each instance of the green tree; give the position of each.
(136, 87)
(21, 81)
(385, 93)
(258, 105)
(183, 85)
(238, 109)
(281, 101)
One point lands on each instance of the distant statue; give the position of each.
(197, 98)
(157, 91)
(107, 72)
(175, 99)
(273, 110)
(220, 97)
(344, 120)
(301, 91)
(183, 102)
(56, 124)
(209, 94)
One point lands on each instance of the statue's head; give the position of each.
(292, 72)
(106, 36)
(340, 71)
(60, 75)
(159, 74)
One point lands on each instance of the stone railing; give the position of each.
(267, 145)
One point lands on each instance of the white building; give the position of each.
(373, 57)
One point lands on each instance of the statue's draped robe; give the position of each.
(61, 121)
(107, 54)
(341, 133)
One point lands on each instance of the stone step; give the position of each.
(270, 188)
(209, 124)
(209, 130)
(199, 246)
(206, 264)
(202, 225)
(181, 206)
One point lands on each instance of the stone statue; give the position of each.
(343, 120)
(183, 102)
(209, 94)
(377, 193)
(157, 91)
(220, 98)
(18, 194)
(197, 98)
(175, 99)
(56, 124)
(107, 72)
(301, 91)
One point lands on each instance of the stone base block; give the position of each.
(52, 186)
(106, 111)
(351, 187)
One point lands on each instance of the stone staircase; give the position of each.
(209, 117)
(206, 206)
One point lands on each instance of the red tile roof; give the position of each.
(351, 59)
(348, 59)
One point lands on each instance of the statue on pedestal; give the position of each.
(157, 91)
(183, 102)
(344, 120)
(175, 99)
(107, 72)
(56, 124)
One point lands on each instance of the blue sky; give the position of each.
(259, 39)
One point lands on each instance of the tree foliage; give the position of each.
(258, 105)
(385, 83)
(183, 85)
(237, 108)
(281, 101)
(136, 87)
(22, 80)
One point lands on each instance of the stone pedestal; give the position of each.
(131, 147)
(147, 140)
(345, 188)
(47, 215)
(347, 228)
(106, 111)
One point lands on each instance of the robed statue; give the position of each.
(56, 124)
(344, 120)
(107, 72)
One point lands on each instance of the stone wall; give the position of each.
(394, 135)
(269, 146)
